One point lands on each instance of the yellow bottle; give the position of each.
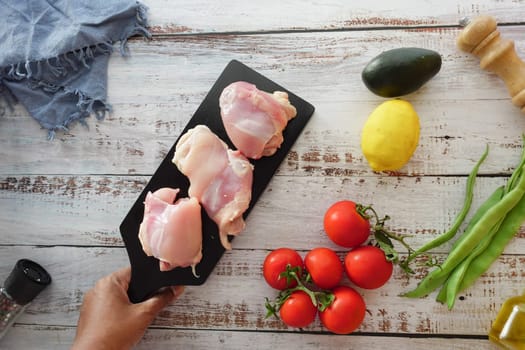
(508, 330)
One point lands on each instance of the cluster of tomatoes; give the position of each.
(314, 285)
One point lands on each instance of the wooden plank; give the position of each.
(171, 77)
(24, 337)
(219, 304)
(203, 17)
(325, 67)
(67, 210)
(329, 146)
(55, 338)
(87, 210)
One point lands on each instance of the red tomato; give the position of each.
(298, 310)
(346, 312)
(367, 267)
(275, 263)
(345, 226)
(324, 267)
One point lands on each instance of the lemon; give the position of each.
(390, 135)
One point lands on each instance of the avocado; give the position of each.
(400, 71)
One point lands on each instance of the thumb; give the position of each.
(160, 300)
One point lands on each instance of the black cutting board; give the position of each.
(146, 278)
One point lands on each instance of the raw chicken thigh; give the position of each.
(172, 231)
(221, 179)
(255, 119)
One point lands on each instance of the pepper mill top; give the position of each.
(482, 38)
(475, 32)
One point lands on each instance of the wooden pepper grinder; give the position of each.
(481, 38)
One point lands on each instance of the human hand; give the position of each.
(108, 320)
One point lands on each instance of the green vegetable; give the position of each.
(450, 233)
(510, 225)
(400, 71)
(491, 246)
(457, 276)
(489, 202)
(485, 224)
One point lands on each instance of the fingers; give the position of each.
(160, 300)
(122, 276)
(177, 291)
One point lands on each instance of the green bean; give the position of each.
(458, 274)
(453, 283)
(465, 271)
(489, 203)
(486, 205)
(438, 276)
(442, 295)
(482, 209)
(517, 171)
(451, 232)
(509, 227)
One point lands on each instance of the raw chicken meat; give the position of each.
(221, 179)
(172, 231)
(254, 119)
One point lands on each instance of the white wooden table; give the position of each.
(61, 202)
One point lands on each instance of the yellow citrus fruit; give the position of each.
(390, 135)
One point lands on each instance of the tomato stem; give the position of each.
(383, 237)
(361, 210)
(320, 299)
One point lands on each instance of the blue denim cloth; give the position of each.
(54, 55)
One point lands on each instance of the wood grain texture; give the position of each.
(176, 75)
(183, 16)
(57, 338)
(87, 210)
(61, 202)
(216, 305)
